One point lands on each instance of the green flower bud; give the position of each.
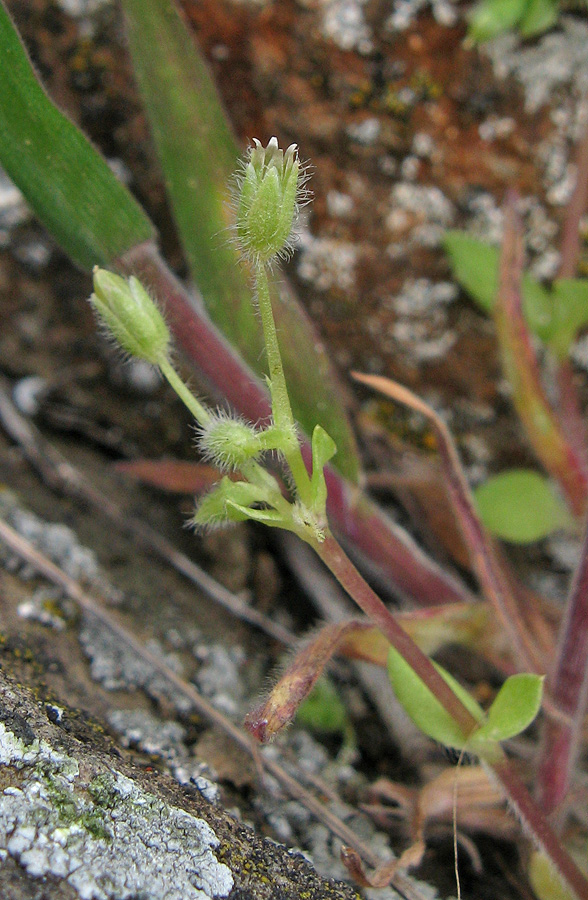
(130, 316)
(271, 189)
(216, 507)
(229, 442)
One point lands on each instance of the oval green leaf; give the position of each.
(546, 881)
(570, 303)
(423, 707)
(492, 17)
(538, 17)
(515, 706)
(475, 266)
(521, 506)
(323, 709)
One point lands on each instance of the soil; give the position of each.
(409, 132)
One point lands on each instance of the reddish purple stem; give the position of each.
(542, 422)
(569, 693)
(570, 407)
(570, 242)
(530, 812)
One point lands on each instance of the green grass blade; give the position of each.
(66, 182)
(199, 154)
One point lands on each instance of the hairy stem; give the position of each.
(359, 590)
(530, 813)
(392, 554)
(199, 412)
(569, 694)
(281, 409)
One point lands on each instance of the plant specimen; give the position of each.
(270, 192)
(97, 222)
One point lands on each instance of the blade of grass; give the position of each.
(199, 156)
(541, 423)
(67, 184)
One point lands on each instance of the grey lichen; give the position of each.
(545, 67)
(116, 666)
(108, 839)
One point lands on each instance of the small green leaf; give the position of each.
(570, 301)
(492, 17)
(546, 881)
(323, 449)
(515, 706)
(521, 506)
(269, 517)
(539, 16)
(323, 709)
(423, 707)
(475, 266)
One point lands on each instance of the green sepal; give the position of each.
(270, 517)
(66, 182)
(423, 707)
(230, 501)
(323, 449)
(130, 316)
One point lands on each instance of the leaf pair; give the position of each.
(554, 315)
(493, 17)
(514, 708)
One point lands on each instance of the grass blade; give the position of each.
(66, 182)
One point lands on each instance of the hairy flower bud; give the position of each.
(130, 316)
(271, 188)
(229, 442)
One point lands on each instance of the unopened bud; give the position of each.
(229, 442)
(130, 315)
(216, 507)
(271, 189)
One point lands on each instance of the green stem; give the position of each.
(281, 409)
(254, 473)
(199, 412)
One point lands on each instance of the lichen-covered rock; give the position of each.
(83, 824)
(108, 838)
